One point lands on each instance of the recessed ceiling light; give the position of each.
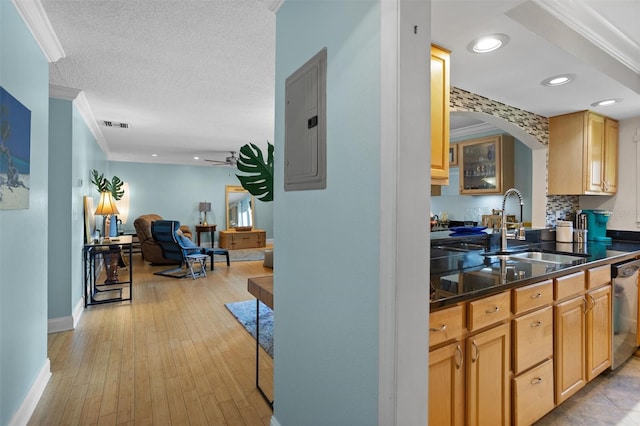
(558, 80)
(196, 158)
(606, 102)
(488, 43)
(154, 155)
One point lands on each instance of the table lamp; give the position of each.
(107, 207)
(205, 207)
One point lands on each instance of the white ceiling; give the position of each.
(196, 78)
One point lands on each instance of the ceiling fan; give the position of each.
(231, 160)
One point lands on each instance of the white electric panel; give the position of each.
(305, 140)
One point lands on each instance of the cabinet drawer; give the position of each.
(489, 310)
(447, 324)
(568, 286)
(533, 394)
(598, 276)
(532, 339)
(532, 296)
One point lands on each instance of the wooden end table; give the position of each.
(205, 228)
(262, 289)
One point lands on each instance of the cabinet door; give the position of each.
(488, 390)
(486, 165)
(599, 330)
(610, 163)
(595, 152)
(533, 394)
(532, 339)
(439, 116)
(446, 385)
(569, 342)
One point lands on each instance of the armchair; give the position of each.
(151, 250)
(180, 249)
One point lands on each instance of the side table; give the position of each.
(205, 228)
(262, 289)
(107, 254)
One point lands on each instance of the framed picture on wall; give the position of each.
(453, 155)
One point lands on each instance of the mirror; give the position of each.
(239, 207)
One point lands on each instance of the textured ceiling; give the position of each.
(196, 78)
(190, 77)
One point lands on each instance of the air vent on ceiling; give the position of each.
(116, 124)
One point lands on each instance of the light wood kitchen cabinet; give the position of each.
(486, 165)
(533, 394)
(440, 64)
(447, 385)
(570, 347)
(599, 329)
(532, 339)
(583, 154)
(447, 324)
(488, 374)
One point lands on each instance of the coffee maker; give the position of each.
(597, 225)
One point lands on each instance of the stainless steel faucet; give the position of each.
(519, 233)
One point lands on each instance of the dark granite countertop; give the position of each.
(464, 268)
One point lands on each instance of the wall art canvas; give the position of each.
(15, 152)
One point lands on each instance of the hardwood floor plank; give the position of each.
(175, 355)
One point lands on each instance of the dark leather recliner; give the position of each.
(151, 250)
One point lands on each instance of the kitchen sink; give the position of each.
(541, 256)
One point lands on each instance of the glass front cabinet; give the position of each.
(486, 165)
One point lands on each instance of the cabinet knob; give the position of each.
(536, 324)
(536, 380)
(443, 327)
(492, 311)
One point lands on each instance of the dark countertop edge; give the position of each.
(437, 305)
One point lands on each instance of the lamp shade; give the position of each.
(107, 205)
(205, 207)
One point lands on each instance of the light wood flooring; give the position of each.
(173, 356)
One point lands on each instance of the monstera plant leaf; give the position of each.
(258, 174)
(103, 184)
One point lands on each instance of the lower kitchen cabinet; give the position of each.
(488, 374)
(446, 385)
(599, 330)
(570, 347)
(533, 394)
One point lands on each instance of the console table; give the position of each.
(262, 289)
(108, 255)
(231, 239)
(205, 228)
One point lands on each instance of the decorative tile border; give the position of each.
(533, 124)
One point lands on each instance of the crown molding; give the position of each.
(471, 130)
(581, 18)
(273, 5)
(85, 111)
(37, 21)
(65, 93)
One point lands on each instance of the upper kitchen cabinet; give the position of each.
(486, 165)
(583, 154)
(439, 115)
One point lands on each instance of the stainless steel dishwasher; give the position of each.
(625, 310)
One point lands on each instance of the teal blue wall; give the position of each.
(73, 153)
(24, 72)
(174, 192)
(326, 291)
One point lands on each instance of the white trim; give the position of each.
(78, 311)
(387, 353)
(274, 421)
(273, 5)
(580, 17)
(56, 325)
(64, 93)
(636, 139)
(471, 130)
(24, 412)
(82, 104)
(37, 21)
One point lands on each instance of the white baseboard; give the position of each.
(24, 412)
(274, 421)
(56, 325)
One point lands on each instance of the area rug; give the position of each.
(245, 313)
(242, 255)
